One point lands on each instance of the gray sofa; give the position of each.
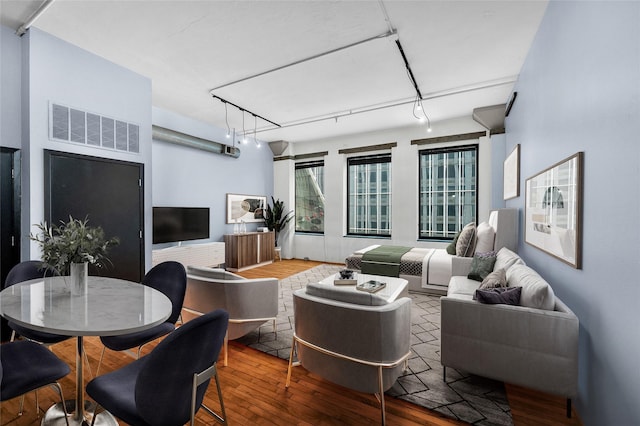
(351, 338)
(534, 345)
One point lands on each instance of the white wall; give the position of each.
(579, 90)
(189, 177)
(334, 246)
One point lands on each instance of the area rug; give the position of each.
(472, 399)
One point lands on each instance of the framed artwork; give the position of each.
(553, 210)
(245, 208)
(512, 174)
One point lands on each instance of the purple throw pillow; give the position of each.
(499, 295)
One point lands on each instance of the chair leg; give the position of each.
(275, 329)
(220, 418)
(568, 408)
(381, 390)
(86, 361)
(100, 361)
(58, 388)
(293, 347)
(226, 349)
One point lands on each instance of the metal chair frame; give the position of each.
(379, 365)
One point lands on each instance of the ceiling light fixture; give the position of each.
(244, 132)
(255, 125)
(226, 120)
(417, 105)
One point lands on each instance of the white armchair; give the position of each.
(249, 302)
(355, 339)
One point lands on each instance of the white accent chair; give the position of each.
(353, 339)
(249, 302)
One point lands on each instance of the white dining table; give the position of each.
(110, 307)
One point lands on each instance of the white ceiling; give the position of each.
(463, 54)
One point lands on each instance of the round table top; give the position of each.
(110, 307)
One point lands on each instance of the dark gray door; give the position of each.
(9, 210)
(110, 194)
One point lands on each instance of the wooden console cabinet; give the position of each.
(248, 250)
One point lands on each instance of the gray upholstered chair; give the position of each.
(250, 302)
(353, 339)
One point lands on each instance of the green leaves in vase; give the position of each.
(73, 242)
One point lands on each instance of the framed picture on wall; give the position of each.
(245, 208)
(553, 210)
(511, 174)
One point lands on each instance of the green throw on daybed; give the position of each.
(383, 260)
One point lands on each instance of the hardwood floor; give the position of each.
(254, 392)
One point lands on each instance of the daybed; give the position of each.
(532, 344)
(429, 270)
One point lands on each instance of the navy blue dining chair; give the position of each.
(28, 366)
(25, 271)
(171, 279)
(167, 386)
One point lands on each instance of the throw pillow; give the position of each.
(497, 278)
(481, 266)
(536, 292)
(502, 295)
(451, 248)
(506, 258)
(466, 240)
(485, 237)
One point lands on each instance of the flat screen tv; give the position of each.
(171, 224)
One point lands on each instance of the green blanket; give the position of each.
(383, 260)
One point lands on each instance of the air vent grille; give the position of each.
(81, 127)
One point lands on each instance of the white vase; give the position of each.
(79, 274)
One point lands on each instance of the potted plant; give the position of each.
(274, 217)
(71, 246)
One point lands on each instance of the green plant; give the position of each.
(73, 242)
(274, 217)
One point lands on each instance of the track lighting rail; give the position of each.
(224, 101)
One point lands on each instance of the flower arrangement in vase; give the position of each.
(70, 246)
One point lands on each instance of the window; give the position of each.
(369, 195)
(310, 197)
(448, 186)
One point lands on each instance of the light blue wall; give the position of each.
(56, 71)
(10, 78)
(189, 177)
(38, 69)
(579, 90)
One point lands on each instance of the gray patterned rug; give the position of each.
(469, 398)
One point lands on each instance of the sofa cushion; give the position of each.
(485, 236)
(461, 285)
(465, 246)
(213, 273)
(345, 294)
(482, 265)
(495, 279)
(506, 259)
(501, 295)
(536, 292)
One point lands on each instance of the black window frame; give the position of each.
(299, 166)
(445, 150)
(362, 160)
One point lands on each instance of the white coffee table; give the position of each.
(395, 288)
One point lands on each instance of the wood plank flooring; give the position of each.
(254, 392)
